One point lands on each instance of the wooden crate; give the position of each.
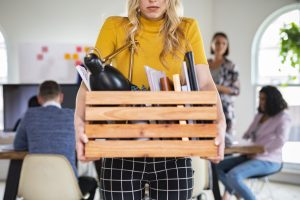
(114, 139)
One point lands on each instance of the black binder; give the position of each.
(190, 64)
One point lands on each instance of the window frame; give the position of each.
(258, 36)
(5, 77)
(288, 167)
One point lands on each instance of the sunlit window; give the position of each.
(268, 70)
(3, 73)
(3, 58)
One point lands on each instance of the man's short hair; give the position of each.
(49, 90)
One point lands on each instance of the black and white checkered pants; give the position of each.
(125, 178)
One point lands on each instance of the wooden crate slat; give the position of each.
(150, 130)
(150, 113)
(133, 97)
(117, 148)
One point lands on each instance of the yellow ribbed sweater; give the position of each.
(113, 35)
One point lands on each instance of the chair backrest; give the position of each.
(48, 177)
(201, 175)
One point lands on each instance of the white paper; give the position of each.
(85, 76)
(153, 77)
(186, 76)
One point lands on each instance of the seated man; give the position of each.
(49, 129)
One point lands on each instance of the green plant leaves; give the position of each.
(290, 44)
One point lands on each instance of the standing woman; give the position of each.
(163, 38)
(226, 78)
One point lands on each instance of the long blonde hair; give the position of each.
(171, 31)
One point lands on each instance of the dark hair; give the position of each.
(275, 103)
(49, 90)
(33, 102)
(224, 36)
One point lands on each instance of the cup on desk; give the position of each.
(7, 137)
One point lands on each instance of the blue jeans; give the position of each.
(233, 170)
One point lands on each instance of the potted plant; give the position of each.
(290, 45)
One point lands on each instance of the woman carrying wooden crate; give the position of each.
(163, 38)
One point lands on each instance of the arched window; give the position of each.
(3, 58)
(267, 69)
(3, 74)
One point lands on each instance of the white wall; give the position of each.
(69, 21)
(57, 21)
(202, 11)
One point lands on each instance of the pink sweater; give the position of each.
(272, 134)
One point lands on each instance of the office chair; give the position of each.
(48, 177)
(256, 188)
(202, 179)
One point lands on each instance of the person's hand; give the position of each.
(79, 123)
(81, 140)
(223, 89)
(220, 142)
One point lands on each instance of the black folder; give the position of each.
(190, 64)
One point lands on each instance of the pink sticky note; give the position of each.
(44, 49)
(39, 56)
(78, 62)
(78, 49)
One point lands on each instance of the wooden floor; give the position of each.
(280, 192)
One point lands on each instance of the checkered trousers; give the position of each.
(125, 178)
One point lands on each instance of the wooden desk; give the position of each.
(14, 170)
(244, 149)
(12, 155)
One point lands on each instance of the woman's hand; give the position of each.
(223, 89)
(206, 83)
(81, 138)
(220, 142)
(81, 141)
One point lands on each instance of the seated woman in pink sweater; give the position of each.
(269, 128)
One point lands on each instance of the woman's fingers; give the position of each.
(219, 141)
(80, 150)
(80, 145)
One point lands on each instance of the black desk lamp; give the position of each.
(105, 77)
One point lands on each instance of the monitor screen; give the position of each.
(16, 97)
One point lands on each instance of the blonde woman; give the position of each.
(163, 39)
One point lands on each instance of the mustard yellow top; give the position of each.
(113, 35)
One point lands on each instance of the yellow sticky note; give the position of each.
(67, 56)
(75, 56)
(86, 49)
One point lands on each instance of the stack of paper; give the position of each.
(153, 77)
(185, 80)
(85, 75)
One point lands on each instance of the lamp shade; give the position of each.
(105, 78)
